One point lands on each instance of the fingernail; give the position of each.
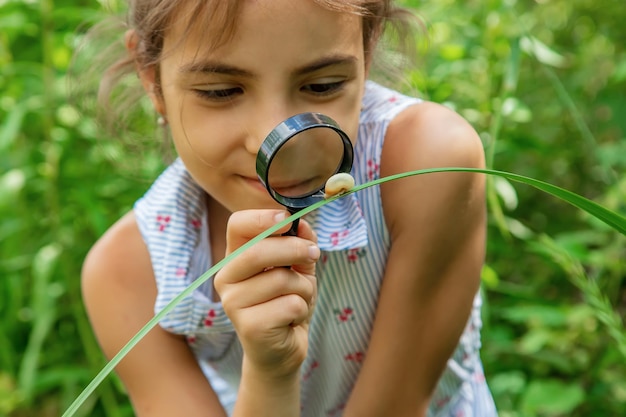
(314, 252)
(279, 217)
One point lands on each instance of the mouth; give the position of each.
(254, 182)
(293, 189)
(297, 188)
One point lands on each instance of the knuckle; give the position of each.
(218, 281)
(295, 305)
(302, 250)
(234, 219)
(310, 293)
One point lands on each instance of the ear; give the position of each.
(147, 75)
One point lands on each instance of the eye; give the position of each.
(323, 89)
(222, 94)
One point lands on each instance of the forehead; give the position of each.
(212, 20)
(217, 27)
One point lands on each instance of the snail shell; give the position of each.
(338, 184)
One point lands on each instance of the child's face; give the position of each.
(287, 57)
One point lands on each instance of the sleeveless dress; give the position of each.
(173, 219)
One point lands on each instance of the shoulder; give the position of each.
(118, 284)
(429, 135)
(120, 251)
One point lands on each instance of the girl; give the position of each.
(378, 314)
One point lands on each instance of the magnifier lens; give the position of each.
(304, 163)
(299, 155)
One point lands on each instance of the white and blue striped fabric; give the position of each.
(352, 234)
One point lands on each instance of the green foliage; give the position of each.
(542, 82)
(59, 190)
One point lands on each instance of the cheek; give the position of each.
(350, 122)
(200, 134)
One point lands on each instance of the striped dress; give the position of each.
(354, 240)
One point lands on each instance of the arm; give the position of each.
(437, 227)
(270, 307)
(160, 373)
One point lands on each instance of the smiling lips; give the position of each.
(289, 189)
(253, 181)
(297, 188)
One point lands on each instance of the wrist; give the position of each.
(266, 393)
(273, 379)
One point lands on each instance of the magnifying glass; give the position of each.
(298, 157)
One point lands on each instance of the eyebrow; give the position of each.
(326, 61)
(213, 67)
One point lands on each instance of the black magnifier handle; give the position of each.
(293, 230)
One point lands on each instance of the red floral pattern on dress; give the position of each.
(191, 339)
(355, 254)
(309, 372)
(479, 377)
(196, 223)
(210, 317)
(181, 272)
(344, 314)
(355, 357)
(373, 170)
(337, 237)
(163, 221)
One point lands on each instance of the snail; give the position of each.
(338, 184)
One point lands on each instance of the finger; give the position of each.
(271, 252)
(268, 286)
(305, 231)
(246, 224)
(287, 310)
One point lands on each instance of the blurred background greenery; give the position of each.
(543, 82)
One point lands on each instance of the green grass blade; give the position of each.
(106, 370)
(613, 219)
(589, 288)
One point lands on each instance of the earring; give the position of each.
(162, 131)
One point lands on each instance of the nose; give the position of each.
(265, 117)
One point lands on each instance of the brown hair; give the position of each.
(149, 21)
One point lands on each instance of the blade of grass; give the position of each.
(566, 99)
(509, 85)
(589, 288)
(45, 314)
(615, 220)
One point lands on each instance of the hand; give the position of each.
(270, 306)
